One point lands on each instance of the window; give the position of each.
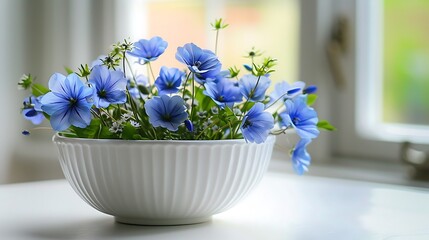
(385, 79)
(406, 62)
(272, 28)
(396, 72)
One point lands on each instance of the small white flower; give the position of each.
(215, 110)
(207, 123)
(126, 116)
(201, 114)
(135, 124)
(237, 111)
(116, 127)
(196, 102)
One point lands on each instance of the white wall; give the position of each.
(41, 37)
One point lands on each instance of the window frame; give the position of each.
(346, 107)
(364, 67)
(370, 71)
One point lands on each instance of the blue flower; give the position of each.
(68, 103)
(189, 125)
(248, 67)
(301, 117)
(285, 91)
(310, 89)
(32, 110)
(300, 157)
(204, 63)
(223, 92)
(165, 111)
(253, 89)
(169, 80)
(141, 80)
(148, 50)
(109, 86)
(256, 124)
(217, 78)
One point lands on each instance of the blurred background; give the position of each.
(370, 60)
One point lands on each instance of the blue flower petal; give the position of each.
(301, 117)
(109, 86)
(60, 120)
(148, 50)
(51, 103)
(204, 63)
(67, 102)
(300, 157)
(57, 83)
(285, 91)
(256, 124)
(169, 80)
(79, 117)
(34, 116)
(252, 88)
(165, 111)
(223, 92)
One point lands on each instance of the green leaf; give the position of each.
(205, 103)
(38, 89)
(105, 133)
(247, 107)
(324, 124)
(68, 70)
(128, 131)
(91, 131)
(143, 89)
(139, 137)
(311, 99)
(46, 116)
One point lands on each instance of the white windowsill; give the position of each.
(353, 169)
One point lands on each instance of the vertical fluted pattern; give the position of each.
(160, 180)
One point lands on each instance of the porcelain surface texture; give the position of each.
(162, 182)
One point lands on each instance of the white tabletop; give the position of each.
(283, 206)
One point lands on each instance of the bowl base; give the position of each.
(162, 222)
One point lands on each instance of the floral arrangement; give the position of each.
(201, 102)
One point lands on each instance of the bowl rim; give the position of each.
(57, 138)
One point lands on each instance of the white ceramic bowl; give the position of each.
(162, 182)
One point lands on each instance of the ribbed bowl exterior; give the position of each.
(162, 182)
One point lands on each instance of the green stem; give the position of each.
(154, 133)
(148, 76)
(123, 64)
(207, 128)
(108, 114)
(184, 85)
(151, 72)
(247, 101)
(99, 131)
(98, 116)
(226, 126)
(133, 107)
(280, 131)
(232, 131)
(217, 38)
(134, 77)
(281, 97)
(193, 98)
